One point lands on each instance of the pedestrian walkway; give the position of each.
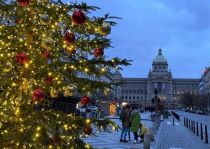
(111, 141)
(107, 140)
(178, 137)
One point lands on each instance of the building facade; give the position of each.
(141, 90)
(204, 86)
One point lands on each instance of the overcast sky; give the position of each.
(180, 27)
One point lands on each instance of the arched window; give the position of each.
(118, 90)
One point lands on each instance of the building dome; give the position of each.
(160, 58)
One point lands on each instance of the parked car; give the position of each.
(193, 111)
(200, 112)
(92, 108)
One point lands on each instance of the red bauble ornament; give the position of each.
(38, 94)
(48, 79)
(46, 54)
(87, 130)
(69, 37)
(78, 17)
(23, 3)
(85, 100)
(98, 52)
(21, 57)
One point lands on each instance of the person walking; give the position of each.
(135, 121)
(125, 117)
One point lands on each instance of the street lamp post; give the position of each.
(173, 101)
(156, 100)
(145, 100)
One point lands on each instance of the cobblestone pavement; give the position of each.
(178, 137)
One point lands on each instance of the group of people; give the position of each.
(131, 121)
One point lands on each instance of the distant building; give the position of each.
(204, 86)
(141, 90)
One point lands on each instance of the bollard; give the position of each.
(201, 127)
(206, 135)
(173, 120)
(189, 124)
(184, 122)
(147, 141)
(152, 133)
(191, 128)
(197, 129)
(194, 127)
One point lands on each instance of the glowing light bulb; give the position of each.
(14, 84)
(38, 128)
(86, 69)
(88, 121)
(65, 127)
(37, 135)
(26, 65)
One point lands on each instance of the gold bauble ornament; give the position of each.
(53, 93)
(8, 67)
(107, 91)
(24, 86)
(69, 90)
(105, 29)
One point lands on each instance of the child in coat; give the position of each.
(143, 131)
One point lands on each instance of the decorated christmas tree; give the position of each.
(43, 46)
